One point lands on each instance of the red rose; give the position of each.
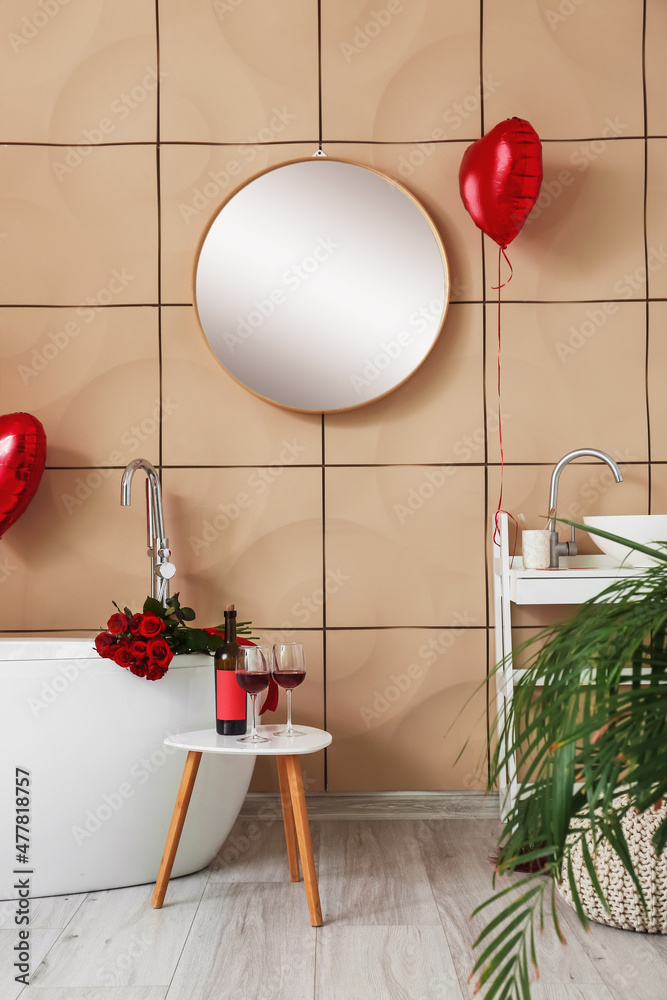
(159, 653)
(118, 624)
(123, 655)
(105, 645)
(135, 624)
(138, 649)
(139, 669)
(151, 626)
(154, 672)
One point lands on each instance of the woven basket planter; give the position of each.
(625, 906)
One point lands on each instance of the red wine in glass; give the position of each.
(253, 683)
(288, 679)
(289, 670)
(253, 670)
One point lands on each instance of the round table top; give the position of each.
(208, 741)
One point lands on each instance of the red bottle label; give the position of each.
(230, 698)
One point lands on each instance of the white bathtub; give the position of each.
(102, 784)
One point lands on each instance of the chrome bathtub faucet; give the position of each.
(162, 569)
(557, 548)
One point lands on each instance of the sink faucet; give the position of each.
(162, 569)
(557, 548)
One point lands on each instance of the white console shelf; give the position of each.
(578, 579)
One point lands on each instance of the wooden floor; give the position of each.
(396, 897)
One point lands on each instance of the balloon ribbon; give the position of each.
(499, 509)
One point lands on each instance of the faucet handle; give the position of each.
(166, 570)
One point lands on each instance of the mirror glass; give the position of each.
(321, 285)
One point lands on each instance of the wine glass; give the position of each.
(289, 670)
(253, 670)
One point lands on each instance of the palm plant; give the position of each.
(589, 720)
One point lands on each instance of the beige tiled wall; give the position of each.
(122, 133)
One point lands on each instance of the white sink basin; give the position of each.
(647, 529)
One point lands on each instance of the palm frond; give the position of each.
(589, 718)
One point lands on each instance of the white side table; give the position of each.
(287, 751)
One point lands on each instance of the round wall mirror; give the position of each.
(321, 285)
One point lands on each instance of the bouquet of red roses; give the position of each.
(145, 642)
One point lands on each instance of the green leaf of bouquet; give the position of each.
(214, 641)
(198, 639)
(153, 607)
(127, 612)
(188, 614)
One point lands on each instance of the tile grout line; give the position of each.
(647, 310)
(324, 600)
(485, 419)
(306, 140)
(158, 182)
(601, 300)
(485, 416)
(362, 465)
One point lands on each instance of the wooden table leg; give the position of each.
(288, 820)
(293, 768)
(176, 827)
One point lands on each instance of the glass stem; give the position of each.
(253, 733)
(289, 710)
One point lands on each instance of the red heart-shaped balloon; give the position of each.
(500, 178)
(22, 460)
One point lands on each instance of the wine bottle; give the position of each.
(230, 698)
